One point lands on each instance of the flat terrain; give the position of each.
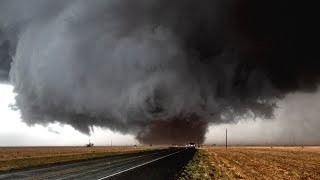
(157, 164)
(12, 158)
(265, 162)
(247, 162)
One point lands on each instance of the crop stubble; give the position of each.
(266, 163)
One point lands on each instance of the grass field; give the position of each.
(24, 157)
(263, 162)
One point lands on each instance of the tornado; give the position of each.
(160, 70)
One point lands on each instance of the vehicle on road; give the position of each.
(191, 146)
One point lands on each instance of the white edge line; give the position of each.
(139, 165)
(57, 166)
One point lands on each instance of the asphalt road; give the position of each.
(164, 164)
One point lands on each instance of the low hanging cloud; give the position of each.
(296, 122)
(155, 69)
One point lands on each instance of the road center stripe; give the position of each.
(106, 177)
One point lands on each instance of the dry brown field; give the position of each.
(25, 157)
(265, 162)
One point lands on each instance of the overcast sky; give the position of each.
(287, 128)
(13, 132)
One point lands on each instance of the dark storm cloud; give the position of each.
(149, 67)
(5, 58)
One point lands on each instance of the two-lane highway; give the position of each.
(162, 164)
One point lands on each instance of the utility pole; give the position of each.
(226, 138)
(111, 143)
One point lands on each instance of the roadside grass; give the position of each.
(44, 161)
(200, 168)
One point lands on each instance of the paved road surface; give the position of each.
(164, 164)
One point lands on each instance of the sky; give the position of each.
(14, 132)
